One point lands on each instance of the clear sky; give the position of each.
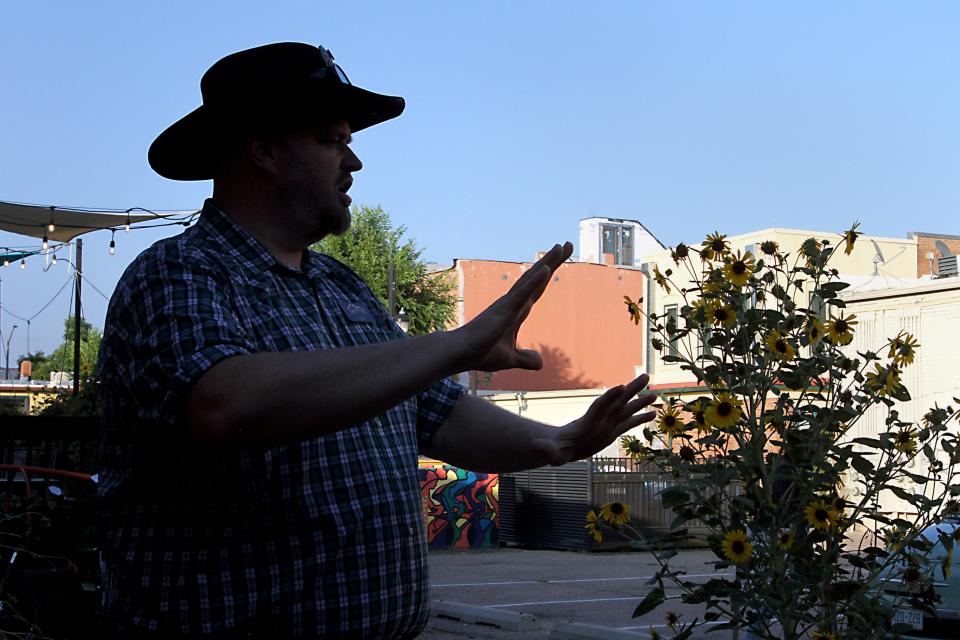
(522, 118)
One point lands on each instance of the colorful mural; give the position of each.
(460, 507)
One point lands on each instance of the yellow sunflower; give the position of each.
(820, 515)
(815, 330)
(724, 412)
(810, 249)
(840, 330)
(883, 381)
(839, 506)
(697, 408)
(634, 449)
(736, 546)
(714, 247)
(616, 513)
(850, 237)
(738, 269)
(822, 635)
(785, 540)
(633, 308)
(661, 279)
(722, 315)
(668, 421)
(780, 347)
(593, 526)
(902, 349)
(905, 441)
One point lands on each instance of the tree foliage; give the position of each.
(61, 359)
(367, 247)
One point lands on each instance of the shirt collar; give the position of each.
(232, 239)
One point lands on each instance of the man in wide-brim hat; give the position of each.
(262, 413)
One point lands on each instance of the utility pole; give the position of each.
(392, 289)
(6, 370)
(76, 320)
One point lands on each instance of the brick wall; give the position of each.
(928, 244)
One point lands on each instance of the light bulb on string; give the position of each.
(126, 227)
(23, 264)
(51, 227)
(113, 243)
(53, 260)
(6, 262)
(46, 244)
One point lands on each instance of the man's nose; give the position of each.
(352, 161)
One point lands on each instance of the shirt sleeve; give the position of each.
(169, 324)
(433, 407)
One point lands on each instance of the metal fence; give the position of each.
(546, 507)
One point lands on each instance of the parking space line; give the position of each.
(495, 584)
(663, 626)
(530, 604)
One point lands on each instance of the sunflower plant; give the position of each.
(768, 459)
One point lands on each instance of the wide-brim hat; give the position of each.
(286, 82)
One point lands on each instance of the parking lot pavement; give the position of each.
(558, 586)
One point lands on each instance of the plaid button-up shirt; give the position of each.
(326, 535)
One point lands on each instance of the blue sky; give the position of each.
(522, 118)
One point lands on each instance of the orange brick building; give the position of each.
(580, 326)
(930, 248)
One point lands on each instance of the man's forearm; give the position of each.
(480, 436)
(277, 397)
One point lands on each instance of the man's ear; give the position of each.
(263, 150)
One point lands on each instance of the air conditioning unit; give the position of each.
(947, 266)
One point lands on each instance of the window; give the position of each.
(617, 239)
(671, 317)
(817, 308)
(705, 349)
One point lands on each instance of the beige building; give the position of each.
(889, 259)
(928, 309)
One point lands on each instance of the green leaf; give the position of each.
(673, 497)
(833, 287)
(862, 465)
(653, 600)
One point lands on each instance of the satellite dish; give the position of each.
(944, 249)
(878, 258)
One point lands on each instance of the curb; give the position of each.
(506, 620)
(582, 631)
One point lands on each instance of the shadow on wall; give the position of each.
(558, 373)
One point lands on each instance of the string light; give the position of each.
(51, 227)
(46, 245)
(53, 261)
(126, 227)
(113, 244)
(6, 262)
(23, 264)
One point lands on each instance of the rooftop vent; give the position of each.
(947, 266)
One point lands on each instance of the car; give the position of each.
(946, 624)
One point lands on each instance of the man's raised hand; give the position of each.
(489, 341)
(609, 417)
